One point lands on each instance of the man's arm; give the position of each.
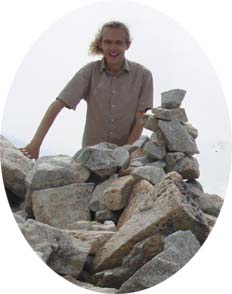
(136, 130)
(32, 149)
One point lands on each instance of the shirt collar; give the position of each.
(126, 66)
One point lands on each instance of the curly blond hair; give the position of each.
(94, 48)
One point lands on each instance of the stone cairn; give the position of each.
(116, 219)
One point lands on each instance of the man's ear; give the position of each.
(128, 45)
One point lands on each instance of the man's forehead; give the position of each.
(113, 33)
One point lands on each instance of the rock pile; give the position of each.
(116, 219)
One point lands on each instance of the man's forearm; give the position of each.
(136, 130)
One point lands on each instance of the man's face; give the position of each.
(114, 45)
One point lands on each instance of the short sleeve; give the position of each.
(77, 88)
(146, 93)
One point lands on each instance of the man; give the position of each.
(117, 92)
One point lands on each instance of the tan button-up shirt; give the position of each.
(112, 100)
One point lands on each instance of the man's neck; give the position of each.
(115, 68)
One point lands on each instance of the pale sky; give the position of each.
(159, 43)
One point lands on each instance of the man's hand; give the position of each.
(31, 151)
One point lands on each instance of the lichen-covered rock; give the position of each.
(61, 206)
(62, 252)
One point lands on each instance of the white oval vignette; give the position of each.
(20, 261)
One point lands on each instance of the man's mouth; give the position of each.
(113, 55)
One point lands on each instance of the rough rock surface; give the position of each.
(15, 168)
(172, 98)
(62, 252)
(61, 206)
(179, 248)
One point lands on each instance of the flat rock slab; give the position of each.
(172, 98)
(56, 171)
(179, 248)
(170, 114)
(139, 193)
(92, 226)
(177, 137)
(171, 212)
(64, 254)
(61, 206)
(15, 167)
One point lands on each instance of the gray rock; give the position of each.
(186, 166)
(64, 254)
(122, 156)
(152, 174)
(141, 141)
(56, 171)
(15, 168)
(172, 98)
(158, 163)
(191, 130)
(96, 202)
(179, 248)
(154, 151)
(177, 114)
(210, 204)
(61, 206)
(149, 122)
(116, 196)
(100, 161)
(177, 137)
(157, 138)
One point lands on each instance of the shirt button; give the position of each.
(113, 105)
(113, 91)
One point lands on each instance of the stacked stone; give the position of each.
(172, 143)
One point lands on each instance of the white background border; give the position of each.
(21, 23)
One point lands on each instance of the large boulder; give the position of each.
(171, 211)
(179, 248)
(61, 251)
(56, 171)
(61, 206)
(15, 168)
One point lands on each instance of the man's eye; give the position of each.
(119, 43)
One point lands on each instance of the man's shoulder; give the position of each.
(135, 66)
